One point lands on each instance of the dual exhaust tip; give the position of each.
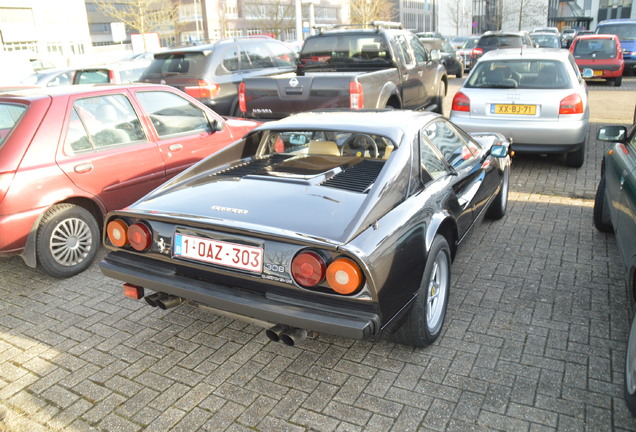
(290, 336)
(163, 301)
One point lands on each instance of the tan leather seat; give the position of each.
(323, 148)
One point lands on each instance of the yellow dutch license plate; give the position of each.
(598, 73)
(513, 109)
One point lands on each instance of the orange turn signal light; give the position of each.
(344, 276)
(117, 231)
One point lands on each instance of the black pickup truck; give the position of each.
(374, 67)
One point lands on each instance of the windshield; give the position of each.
(345, 50)
(326, 143)
(523, 74)
(626, 31)
(10, 116)
(595, 49)
(186, 64)
(546, 41)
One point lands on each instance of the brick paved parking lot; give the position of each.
(534, 340)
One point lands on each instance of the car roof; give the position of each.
(390, 123)
(527, 53)
(597, 36)
(44, 92)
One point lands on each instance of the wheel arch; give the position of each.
(443, 224)
(389, 93)
(29, 255)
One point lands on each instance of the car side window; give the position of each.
(230, 61)
(403, 49)
(431, 161)
(257, 57)
(101, 122)
(173, 115)
(449, 143)
(418, 49)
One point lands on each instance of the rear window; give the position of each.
(340, 50)
(184, 64)
(595, 49)
(500, 42)
(10, 115)
(523, 74)
(625, 31)
(92, 77)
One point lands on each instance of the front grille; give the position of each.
(358, 178)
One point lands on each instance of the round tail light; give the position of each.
(308, 269)
(117, 231)
(344, 276)
(139, 236)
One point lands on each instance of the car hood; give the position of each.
(321, 197)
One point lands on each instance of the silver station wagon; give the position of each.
(536, 96)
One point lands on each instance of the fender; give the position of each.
(443, 224)
(388, 90)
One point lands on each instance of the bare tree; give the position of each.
(276, 16)
(365, 11)
(524, 13)
(142, 16)
(457, 14)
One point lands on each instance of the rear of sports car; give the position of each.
(264, 239)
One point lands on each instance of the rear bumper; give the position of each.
(266, 307)
(532, 137)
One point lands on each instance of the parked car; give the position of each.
(546, 40)
(500, 40)
(625, 29)
(602, 53)
(355, 67)
(341, 222)
(553, 30)
(122, 72)
(453, 62)
(458, 41)
(536, 96)
(567, 36)
(467, 51)
(70, 154)
(212, 72)
(615, 211)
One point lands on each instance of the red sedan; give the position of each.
(68, 155)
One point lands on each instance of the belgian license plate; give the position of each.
(219, 252)
(513, 109)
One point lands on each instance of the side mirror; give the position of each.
(612, 133)
(587, 73)
(215, 124)
(435, 54)
(499, 151)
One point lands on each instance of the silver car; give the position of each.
(536, 96)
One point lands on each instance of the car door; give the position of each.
(621, 180)
(411, 73)
(106, 152)
(183, 129)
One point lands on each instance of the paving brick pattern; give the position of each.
(534, 341)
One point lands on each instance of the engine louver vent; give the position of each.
(358, 178)
(252, 166)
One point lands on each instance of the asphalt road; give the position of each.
(534, 339)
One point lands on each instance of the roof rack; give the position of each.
(377, 25)
(386, 24)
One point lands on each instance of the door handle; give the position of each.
(175, 147)
(83, 168)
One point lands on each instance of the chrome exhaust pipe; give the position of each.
(168, 301)
(153, 298)
(274, 333)
(293, 336)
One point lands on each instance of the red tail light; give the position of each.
(133, 291)
(308, 269)
(204, 90)
(139, 236)
(117, 231)
(111, 76)
(241, 97)
(356, 96)
(477, 51)
(344, 276)
(461, 102)
(572, 104)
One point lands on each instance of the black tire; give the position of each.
(423, 323)
(576, 158)
(439, 99)
(67, 240)
(617, 81)
(498, 207)
(629, 386)
(460, 72)
(601, 216)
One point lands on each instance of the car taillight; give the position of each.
(134, 292)
(356, 96)
(344, 276)
(308, 269)
(461, 102)
(204, 90)
(477, 51)
(117, 232)
(139, 236)
(572, 104)
(241, 97)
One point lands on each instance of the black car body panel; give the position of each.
(377, 208)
